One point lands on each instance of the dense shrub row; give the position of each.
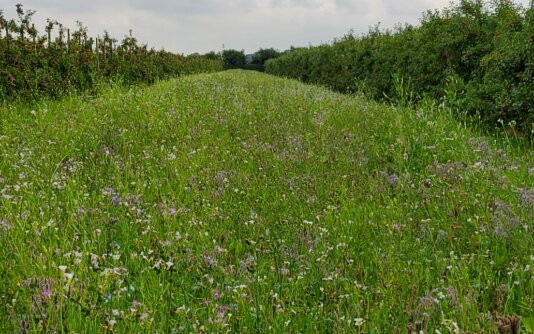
(479, 58)
(32, 65)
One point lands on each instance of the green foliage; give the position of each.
(233, 58)
(32, 66)
(213, 55)
(488, 51)
(253, 67)
(262, 55)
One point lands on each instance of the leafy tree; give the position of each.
(213, 55)
(233, 58)
(262, 55)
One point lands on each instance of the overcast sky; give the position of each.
(188, 26)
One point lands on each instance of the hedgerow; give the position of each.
(58, 62)
(480, 55)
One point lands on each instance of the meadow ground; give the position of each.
(241, 202)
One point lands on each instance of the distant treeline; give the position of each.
(478, 58)
(233, 59)
(61, 60)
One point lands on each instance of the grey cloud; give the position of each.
(295, 3)
(350, 4)
(407, 9)
(63, 5)
(317, 3)
(162, 7)
(192, 7)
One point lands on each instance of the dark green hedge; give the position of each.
(478, 58)
(58, 62)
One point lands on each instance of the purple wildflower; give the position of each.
(47, 293)
(221, 311)
(115, 200)
(527, 196)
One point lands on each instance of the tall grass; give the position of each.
(242, 202)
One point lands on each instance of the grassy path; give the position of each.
(247, 203)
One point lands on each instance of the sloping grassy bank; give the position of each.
(243, 202)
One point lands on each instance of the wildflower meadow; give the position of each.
(379, 183)
(241, 202)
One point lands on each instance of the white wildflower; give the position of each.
(358, 322)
